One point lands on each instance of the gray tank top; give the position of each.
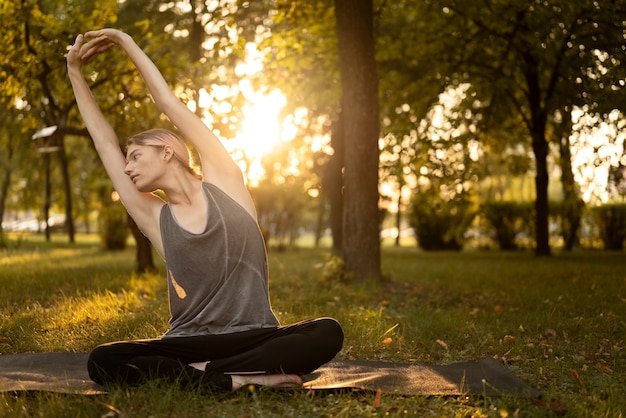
(217, 280)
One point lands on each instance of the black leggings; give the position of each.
(292, 349)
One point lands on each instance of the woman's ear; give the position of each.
(168, 152)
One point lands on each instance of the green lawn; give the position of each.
(558, 322)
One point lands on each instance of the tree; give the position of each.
(572, 204)
(37, 34)
(11, 138)
(360, 113)
(411, 82)
(531, 58)
(302, 62)
(34, 72)
(299, 43)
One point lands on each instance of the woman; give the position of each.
(222, 332)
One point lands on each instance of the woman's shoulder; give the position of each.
(235, 192)
(211, 189)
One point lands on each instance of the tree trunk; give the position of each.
(145, 263)
(4, 190)
(572, 204)
(360, 112)
(319, 221)
(333, 184)
(542, 236)
(67, 187)
(48, 195)
(537, 127)
(399, 214)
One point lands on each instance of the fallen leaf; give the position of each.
(550, 333)
(577, 377)
(508, 339)
(556, 406)
(442, 344)
(377, 398)
(603, 367)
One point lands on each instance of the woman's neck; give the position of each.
(182, 189)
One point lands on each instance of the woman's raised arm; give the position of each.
(218, 166)
(143, 207)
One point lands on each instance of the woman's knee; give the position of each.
(98, 363)
(104, 362)
(331, 333)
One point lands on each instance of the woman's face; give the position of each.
(145, 166)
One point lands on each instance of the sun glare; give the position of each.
(595, 148)
(261, 129)
(261, 125)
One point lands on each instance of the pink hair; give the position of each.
(160, 138)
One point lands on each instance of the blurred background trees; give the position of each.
(500, 123)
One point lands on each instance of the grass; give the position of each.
(557, 322)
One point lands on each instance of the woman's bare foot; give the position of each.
(269, 380)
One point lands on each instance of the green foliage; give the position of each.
(279, 211)
(439, 224)
(38, 94)
(611, 221)
(301, 57)
(36, 90)
(334, 270)
(113, 226)
(568, 215)
(507, 219)
(523, 62)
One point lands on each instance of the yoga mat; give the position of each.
(486, 377)
(67, 373)
(47, 372)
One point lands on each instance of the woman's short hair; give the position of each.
(162, 137)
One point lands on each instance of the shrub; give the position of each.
(113, 226)
(439, 224)
(611, 221)
(568, 215)
(507, 219)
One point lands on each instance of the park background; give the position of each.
(455, 132)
